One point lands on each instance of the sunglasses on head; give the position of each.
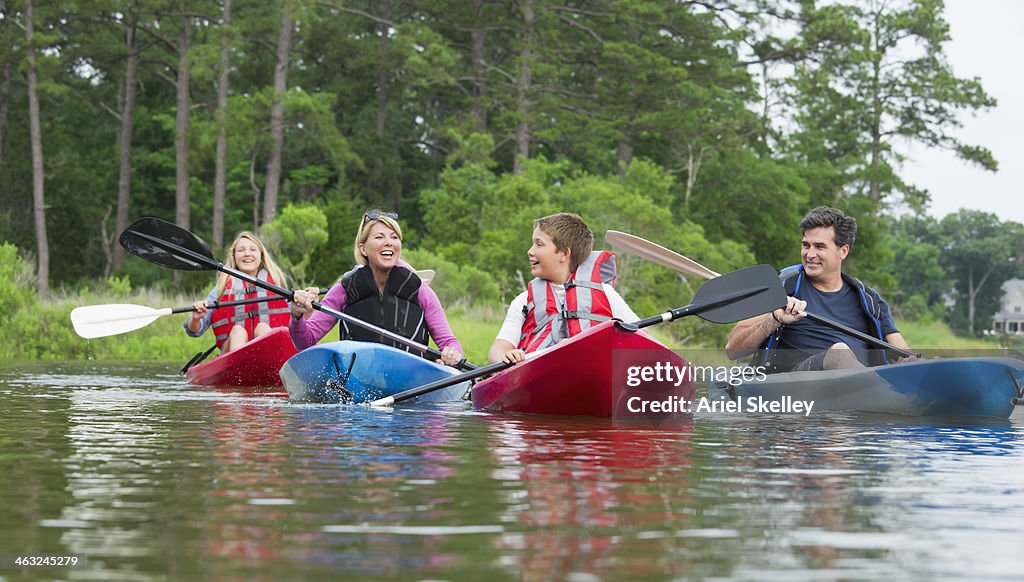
(375, 214)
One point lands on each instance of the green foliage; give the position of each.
(455, 284)
(119, 286)
(922, 282)
(875, 76)
(331, 260)
(980, 252)
(640, 116)
(296, 231)
(17, 279)
(755, 201)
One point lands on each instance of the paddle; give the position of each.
(725, 299)
(673, 260)
(426, 275)
(441, 384)
(92, 321)
(168, 245)
(729, 297)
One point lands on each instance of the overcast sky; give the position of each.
(985, 45)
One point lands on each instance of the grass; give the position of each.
(923, 335)
(44, 332)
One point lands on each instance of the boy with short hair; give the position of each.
(570, 291)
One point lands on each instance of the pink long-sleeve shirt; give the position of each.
(307, 332)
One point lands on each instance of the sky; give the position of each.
(985, 45)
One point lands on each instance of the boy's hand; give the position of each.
(514, 356)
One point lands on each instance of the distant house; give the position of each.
(1010, 319)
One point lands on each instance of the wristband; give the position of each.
(777, 320)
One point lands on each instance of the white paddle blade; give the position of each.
(426, 275)
(103, 320)
(657, 254)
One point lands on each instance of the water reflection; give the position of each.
(146, 477)
(580, 490)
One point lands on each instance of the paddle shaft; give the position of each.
(698, 308)
(731, 297)
(441, 384)
(219, 304)
(184, 253)
(674, 260)
(859, 335)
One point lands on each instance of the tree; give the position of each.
(124, 138)
(220, 164)
(182, 203)
(922, 282)
(38, 193)
(297, 231)
(284, 42)
(875, 74)
(981, 253)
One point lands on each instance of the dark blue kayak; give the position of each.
(350, 371)
(988, 387)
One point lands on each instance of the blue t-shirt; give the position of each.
(805, 338)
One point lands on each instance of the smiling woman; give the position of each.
(382, 290)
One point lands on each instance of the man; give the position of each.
(785, 341)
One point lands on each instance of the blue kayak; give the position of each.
(989, 387)
(351, 371)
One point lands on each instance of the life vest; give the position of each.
(396, 309)
(274, 313)
(586, 304)
(870, 301)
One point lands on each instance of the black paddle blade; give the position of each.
(160, 242)
(739, 295)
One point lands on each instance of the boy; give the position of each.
(570, 291)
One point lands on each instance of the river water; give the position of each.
(139, 476)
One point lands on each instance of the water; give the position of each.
(140, 476)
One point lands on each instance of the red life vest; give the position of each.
(274, 313)
(586, 303)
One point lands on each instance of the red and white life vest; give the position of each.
(586, 304)
(274, 313)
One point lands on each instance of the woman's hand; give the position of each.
(302, 301)
(450, 356)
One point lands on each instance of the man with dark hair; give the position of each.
(784, 340)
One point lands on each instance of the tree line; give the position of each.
(709, 126)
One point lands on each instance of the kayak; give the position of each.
(350, 371)
(254, 364)
(988, 387)
(585, 375)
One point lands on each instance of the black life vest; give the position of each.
(396, 309)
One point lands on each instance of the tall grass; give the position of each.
(923, 335)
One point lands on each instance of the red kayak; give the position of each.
(255, 364)
(605, 371)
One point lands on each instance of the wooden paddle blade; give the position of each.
(138, 239)
(739, 295)
(657, 254)
(105, 320)
(426, 275)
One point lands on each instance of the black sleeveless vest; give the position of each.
(397, 309)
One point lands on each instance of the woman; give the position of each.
(381, 290)
(235, 326)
